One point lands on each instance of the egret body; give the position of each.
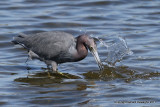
(57, 47)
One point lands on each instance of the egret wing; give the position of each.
(48, 45)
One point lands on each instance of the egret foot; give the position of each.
(62, 74)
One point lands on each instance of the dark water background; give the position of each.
(134, 81)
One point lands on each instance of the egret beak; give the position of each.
(96, 56)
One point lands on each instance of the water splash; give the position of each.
(116, 51)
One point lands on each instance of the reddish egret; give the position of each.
(58, 47)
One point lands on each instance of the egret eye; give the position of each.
(90, 48)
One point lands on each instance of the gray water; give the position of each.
(133, 81)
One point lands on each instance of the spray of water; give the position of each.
(116, 51)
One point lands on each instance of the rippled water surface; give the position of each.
(134, 81)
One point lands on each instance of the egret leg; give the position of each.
(47, 71)
(55, 70)
(54, 67)
(48, 74)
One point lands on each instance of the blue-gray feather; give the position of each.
(48, 45)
